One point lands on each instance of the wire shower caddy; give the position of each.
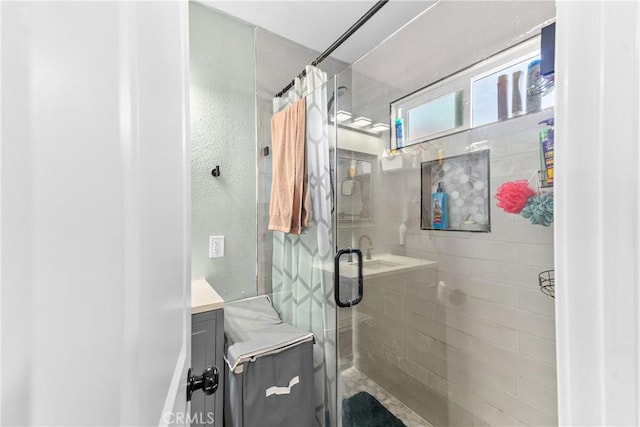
(546, 281)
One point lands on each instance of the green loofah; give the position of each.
(539, 209)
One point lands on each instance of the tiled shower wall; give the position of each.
(471, 340)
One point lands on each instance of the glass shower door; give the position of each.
(359, 260)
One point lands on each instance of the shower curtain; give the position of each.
(302, 290)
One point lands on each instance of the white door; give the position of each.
(94, 210)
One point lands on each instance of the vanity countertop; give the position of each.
(380, 265)
(204, 297)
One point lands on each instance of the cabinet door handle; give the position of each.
(207, 382)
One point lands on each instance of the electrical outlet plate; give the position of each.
(216, 246)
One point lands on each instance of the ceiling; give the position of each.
(317, 24)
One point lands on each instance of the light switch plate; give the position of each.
(216, 246)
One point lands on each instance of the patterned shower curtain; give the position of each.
(302, 290)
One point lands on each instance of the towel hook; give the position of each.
(216, 171)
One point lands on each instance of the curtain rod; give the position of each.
(359, 23)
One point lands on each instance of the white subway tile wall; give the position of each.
(470, 341)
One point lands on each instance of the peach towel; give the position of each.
(289, 209)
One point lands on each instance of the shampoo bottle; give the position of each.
(546, 142)
(516, 96)
(402, 231)
(399, 124)
(534, 97)
(503, 106)
(439, 217)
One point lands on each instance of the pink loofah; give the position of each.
(513, 196)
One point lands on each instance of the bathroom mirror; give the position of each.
(350, 187)
(355, 171)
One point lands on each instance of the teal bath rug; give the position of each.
(364, 410)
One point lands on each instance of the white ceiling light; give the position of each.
(361, 122)
(380, 127)
(343, 116)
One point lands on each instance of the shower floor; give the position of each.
(354, 381)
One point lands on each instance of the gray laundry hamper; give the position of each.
(268, 369)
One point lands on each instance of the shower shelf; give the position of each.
(546, 281)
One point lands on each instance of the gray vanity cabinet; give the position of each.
(207, 349)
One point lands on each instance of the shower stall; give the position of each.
(452, 328)
(427, 326)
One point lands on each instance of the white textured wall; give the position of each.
(223, 132)
(481, 349)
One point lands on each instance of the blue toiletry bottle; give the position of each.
(399, 123)
(439, 217)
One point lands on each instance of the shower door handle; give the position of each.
(336, 273)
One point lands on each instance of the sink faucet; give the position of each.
(368, 256)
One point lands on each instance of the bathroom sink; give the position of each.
(381, 265)
(377, 264)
